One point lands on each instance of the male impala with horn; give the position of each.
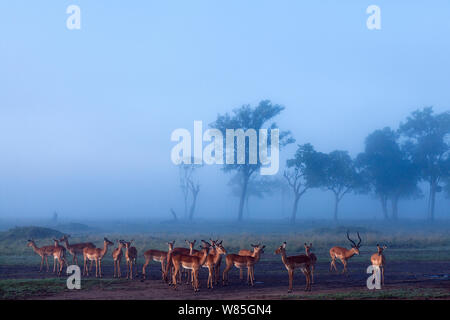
(344, 254)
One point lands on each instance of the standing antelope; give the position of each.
(219, 261)
(313, 259)
(76, 248)
(131, 258)
(158, 256)
(59, 255)
(44, 252)
(293, 262)
(378, 259)
(95, 254)
(193, 263)
(245, 252)
(215, 254)
(242, 262)
(117, 255)
(344, 254)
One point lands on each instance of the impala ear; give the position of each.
(284, 244)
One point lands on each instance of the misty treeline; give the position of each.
(392, 167)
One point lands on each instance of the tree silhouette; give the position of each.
(247, 117)
(428, 146)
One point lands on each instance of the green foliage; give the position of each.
(25, 233)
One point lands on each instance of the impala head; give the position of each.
(380, 249)
(120, 244)
(355, 247)
(191, 244)
(107, 242)
(308, 248)
(64, 237)
(281, 248)
(126, 244)
(171, 245)
(220, 249)
(30, 243)
(56, 241)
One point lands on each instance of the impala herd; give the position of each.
(188, 261)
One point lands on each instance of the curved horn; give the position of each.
(354, 244)
(359, 239)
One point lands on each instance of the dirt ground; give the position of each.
(271, 282)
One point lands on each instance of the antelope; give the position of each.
(291, 263)
(245, 252)
(43, 252)
(219, 261)
(242, 262)
(117, 255)
(95, 254)
(131, 258)
(313, 259)
(59, 255)
(215, 254)
(158, 256)
(186, 251)
(378, 259)
(76, 248)
(344, 254)
(193, 263)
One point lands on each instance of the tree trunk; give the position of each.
(294, 209)
(336, 203)
(384, 207)
(194, 202)
(431, 200)
(243, 196)
(394, 202)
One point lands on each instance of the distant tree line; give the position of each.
(391, 167)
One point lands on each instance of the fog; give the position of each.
(86, 115)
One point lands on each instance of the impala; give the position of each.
(219, 261)
(76, 248)
(245, 252)
(193, 263)
(130, 257)
(44, 252)
(59, 255)
(344, 254)
(117, 255)
(378, 259)
(215, 254)
(95, 254)
(187, 251)
(242, 262)
(158, 256)
(293, 262)
(313, 259)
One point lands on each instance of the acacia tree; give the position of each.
(189, 185)
(298, 175)
(427, 142)
(387, 170)
(336, 172)
(247, 117)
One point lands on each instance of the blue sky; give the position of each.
(86, 115)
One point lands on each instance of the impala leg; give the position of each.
(225, 274)
(291, 278)
(344, 262)
(382, 275)
(42, 263)
(241, 274)
(312, 273)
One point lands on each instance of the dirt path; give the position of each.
(271, 282)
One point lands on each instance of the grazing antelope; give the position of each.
(131, 258)
(158, 256)
(378, 259)
(95, 254)
(293, 262)
(344, 254)
(215, 254)
(117, 255)
(193, 263)
(313, 259)
(242, 262)
(76, 248)
(44, 252)
(245, 252)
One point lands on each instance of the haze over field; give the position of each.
(86, 115)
